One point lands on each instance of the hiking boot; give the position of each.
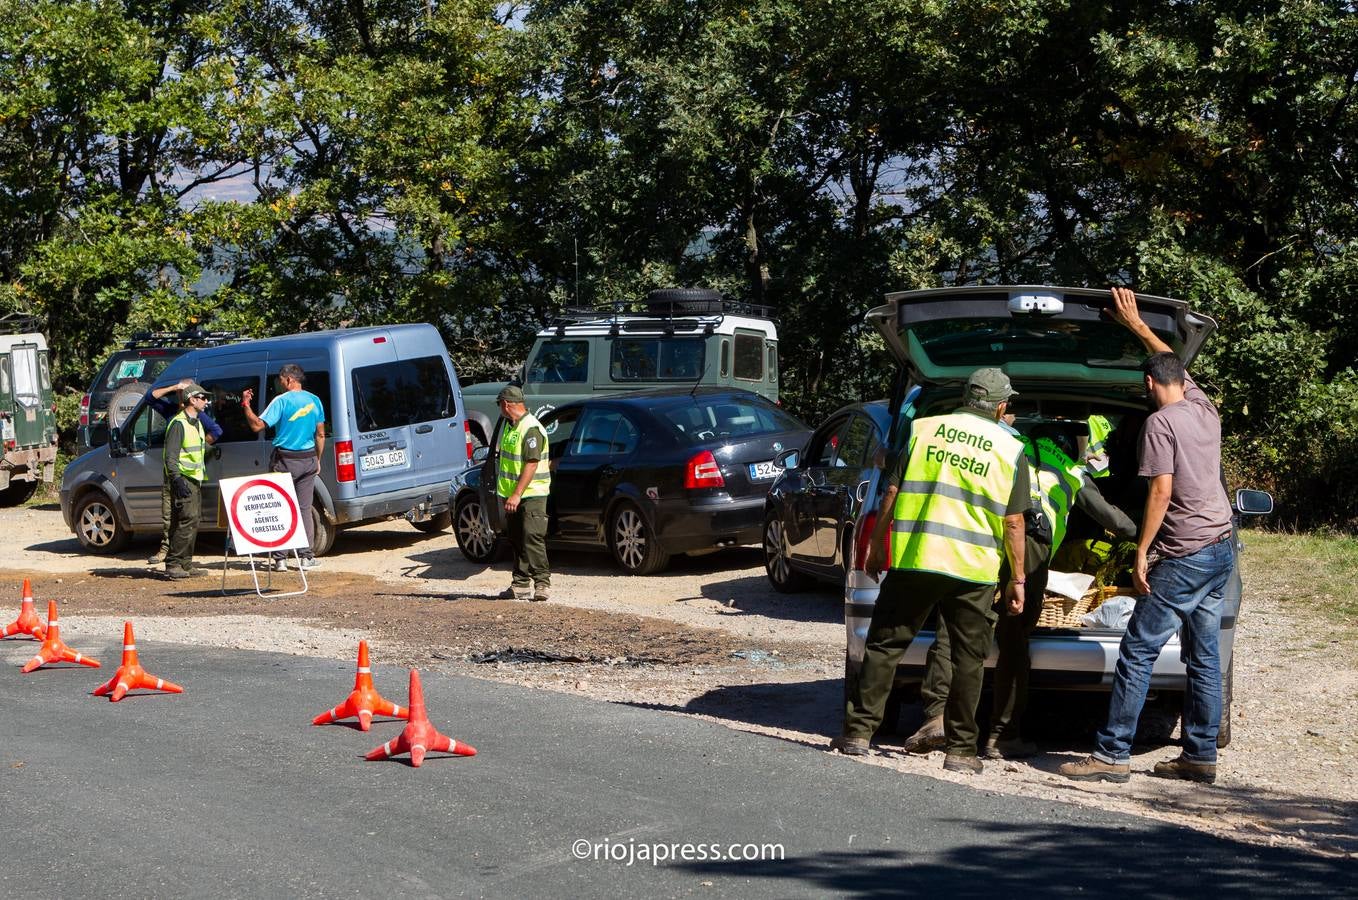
(997, 747)
(929, 737)
(956, 762)
(541, 593)
(177, 573)
(278, 564)
(310, 562)
(1187, 769)
(157, 558)
(850, 746)
(515, 593)
(196, 570)
(1092, 769)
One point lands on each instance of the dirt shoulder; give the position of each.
(710, 639)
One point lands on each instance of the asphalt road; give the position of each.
(228, 791)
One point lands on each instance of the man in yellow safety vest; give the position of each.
(185, 442)
(523, 481)
(954, 502)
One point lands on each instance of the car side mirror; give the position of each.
(115, 442)
(480, 455)
(789, 458)
(1253, 503)
(215, 452)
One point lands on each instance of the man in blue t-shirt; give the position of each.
(160, 400)
(298, 421)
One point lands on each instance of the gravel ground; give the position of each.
(709, 638)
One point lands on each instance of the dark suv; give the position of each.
(128, 374)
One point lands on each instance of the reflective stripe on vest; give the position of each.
(949, 514)
(511, 460)
(1060, 479)
(191, 453)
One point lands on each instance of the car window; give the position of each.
(225, 407)
(24, 365)
(4, 375)
(749, 363)
(560, 362)
(706, 418)
(400, 393)
(132, 366)
(820, 452)
(146, 430)
(657, 359)
(855, 444)
(559, 425)
(604, 432)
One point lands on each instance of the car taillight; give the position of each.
(467, 430)
(85, 410)
(860, 544)
(344, 461)
(702, 471)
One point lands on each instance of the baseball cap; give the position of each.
(193, 390)
(510, 393)
(991, 385)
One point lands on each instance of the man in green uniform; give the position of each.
(185, 442)
(954, 502)
(523, 482)
(1058, 484)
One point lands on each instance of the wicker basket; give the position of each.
(1063, 612)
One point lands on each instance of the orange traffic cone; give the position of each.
(363, 701)
(27, 623)
(131, 676)
(53, 650)
(419, 736)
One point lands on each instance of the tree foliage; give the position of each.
(276, 165)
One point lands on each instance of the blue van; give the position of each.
(395, 424)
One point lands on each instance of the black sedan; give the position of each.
(644, 475)
(811, 506)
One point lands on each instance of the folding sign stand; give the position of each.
(268, 570)
(263, 517)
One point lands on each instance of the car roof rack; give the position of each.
(197, 336)
(19, 323)
(659, 317)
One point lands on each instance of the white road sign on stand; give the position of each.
(263, 514)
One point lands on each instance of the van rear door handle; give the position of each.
(424, 429)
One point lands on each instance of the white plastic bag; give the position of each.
(1113, 613)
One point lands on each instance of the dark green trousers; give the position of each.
(528, 537)
(185, 514)
(166, 504)
(903, 605)
(1011, 637)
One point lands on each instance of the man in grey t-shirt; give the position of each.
(1183, 559)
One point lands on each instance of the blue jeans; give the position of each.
(1185, 593)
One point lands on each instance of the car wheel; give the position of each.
(97, 525)
(778, 559)
(18, 492)
(475, 538)
(1227, 694)
(633, 543)
(322, 532)
(683, 300)
(435, 524)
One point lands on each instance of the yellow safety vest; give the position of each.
(950, 509)
(1099, 429)
(191, 453)
(1059, 479)
(511, 462)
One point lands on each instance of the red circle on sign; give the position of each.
(260, 482)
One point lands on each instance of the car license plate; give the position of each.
(763, 471)
(384, 459)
